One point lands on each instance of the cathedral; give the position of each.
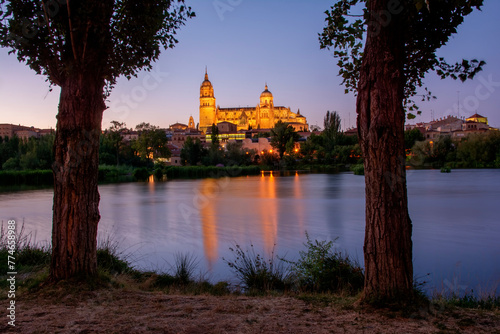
(262, 116)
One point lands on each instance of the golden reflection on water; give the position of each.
(268, 210)
(151, 183)
(259, 213)
(297, 192)
(208, 189)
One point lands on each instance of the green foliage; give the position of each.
(412, 136)
(258, 273)
(113, 138)
(115, 173)
(26, 177)
(33, 153)
(214, 136)
(141, 174)
(345, 33)
(480, 150)
(29, 256)
(158, 174)
(192, 152)
(116, 37)
(236, 155)
(152, 142)
(283, 137)
(358, 169)
(490, 302)
(110, 258)
(332, 130)
(322, 269)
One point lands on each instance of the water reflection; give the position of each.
(208, 221)
(268, 210)
(455, 219)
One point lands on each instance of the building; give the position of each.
(262, 116)
(452, 126)
(178, 133)
(23, 132)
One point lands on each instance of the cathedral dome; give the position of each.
(206, 82)
(266, 93)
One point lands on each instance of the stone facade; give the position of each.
(262, 116)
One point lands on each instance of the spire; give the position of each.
(206, 73)
(266, 85)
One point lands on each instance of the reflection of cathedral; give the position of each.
(263, 116)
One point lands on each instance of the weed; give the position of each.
(321, 268)
(258, 274)
(110, 258)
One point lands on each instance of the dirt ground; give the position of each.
(121, 311)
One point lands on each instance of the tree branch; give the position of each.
(71, 32)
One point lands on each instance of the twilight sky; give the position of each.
(245, 44)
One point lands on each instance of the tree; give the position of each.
(115, 138)
(83, 47)
(214, 136)
(152, 142)
(412, 136)
(400, 48)
(283, 136)
(331, 134)
(192, 151)
(215, 155)
(332, 129)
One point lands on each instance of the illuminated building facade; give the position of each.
(262, 116)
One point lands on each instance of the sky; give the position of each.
(244, 45)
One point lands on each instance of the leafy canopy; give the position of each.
(429, 25)
(108, 37)
(283, 137)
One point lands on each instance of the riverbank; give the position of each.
(125, 310)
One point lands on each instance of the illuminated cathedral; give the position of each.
(262, 116)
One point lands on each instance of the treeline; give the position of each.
(478, 150)
(31, 154)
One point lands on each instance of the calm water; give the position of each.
(455, 220)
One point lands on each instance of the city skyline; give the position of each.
(245, 45)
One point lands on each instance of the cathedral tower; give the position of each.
(266, 109)
(207, 104)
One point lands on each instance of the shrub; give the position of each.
(257, 273)
(358, 169)
(158, 174)
(322, 269)
(141, 174)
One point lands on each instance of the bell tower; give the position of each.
(207, 104)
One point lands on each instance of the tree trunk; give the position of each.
(76, 198)
(381, 116)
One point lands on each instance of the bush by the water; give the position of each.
(260, 274)
(26, 177)
(141, 174)
(322, 268)
(109, 173)
(358, 169)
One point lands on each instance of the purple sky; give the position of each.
(246, 44)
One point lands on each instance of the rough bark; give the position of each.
(388, 245)
(76, 197)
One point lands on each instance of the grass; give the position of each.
(257, 273)
(320, 277)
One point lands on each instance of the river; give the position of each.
(456, 225)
